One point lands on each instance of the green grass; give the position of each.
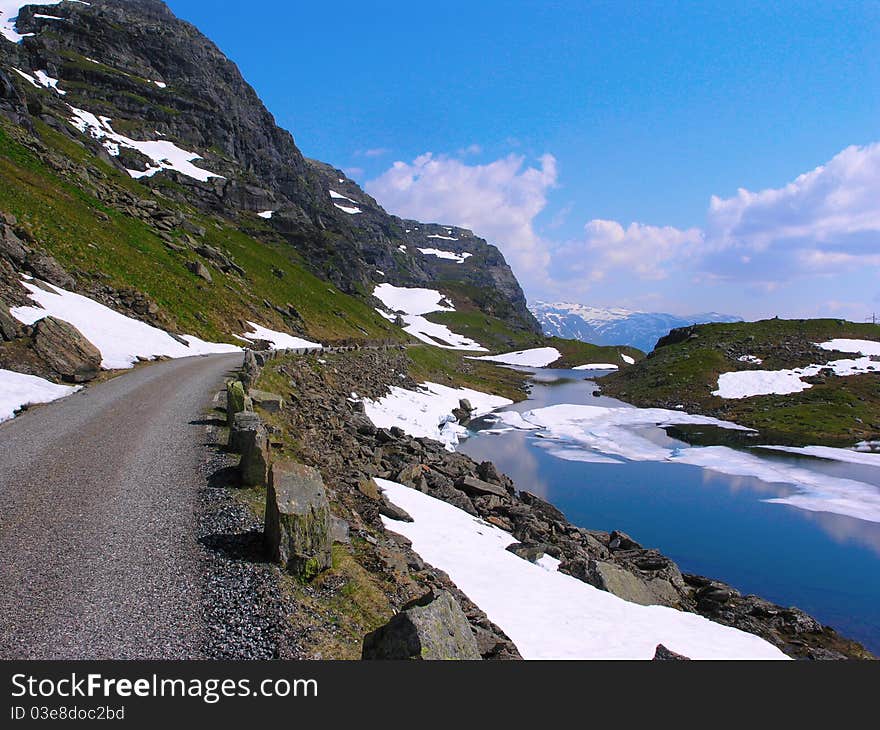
(125, 253)
(452, 368)
(575, 352)
(491, 332)
(838, 412)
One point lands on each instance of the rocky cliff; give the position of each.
(152, 97)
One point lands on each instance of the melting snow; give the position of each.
(9, 10)
(414, 302)
(348, 209)
(164, 154)
(279, 340)
(751, 358)
(538, 357)
(428, 411)
(18, 390)
(625, 433)
(548, 614)
(627, 359)
(444, 238)
(748, 383)
(121, 340)
(597, 366)
(267, 214)
(451, 255)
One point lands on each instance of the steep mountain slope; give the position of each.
(609, 326)
(118, 109)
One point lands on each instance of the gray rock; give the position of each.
(254, 464)
(298, 521)
(241, 423)
(622, 583)
(66, 351)
(270, 402)
(339, 530)
(48, 269)
(664, 654)
(9, 327)
(471, 485)
(532, 552)
(236, 400)
(435, 628)
(200, 270)
(11, 246)
(392, 511)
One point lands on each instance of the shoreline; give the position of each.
(334, 422)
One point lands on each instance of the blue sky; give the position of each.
(587, 139)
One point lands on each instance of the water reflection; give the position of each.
(709, 522)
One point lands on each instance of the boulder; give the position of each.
(236, 400)
(298, 521)
(254, 464)
(663, 654)
(369, 489)
(242, 423)
(622, 583)
(532, 552)
(434, 628)
(339, 530)
(11, 246)
(270, 402)
(48, 269)
(200, 270)
(392, 511)
(488, 472)
(66, 351)
(9, 327)
(471, 485)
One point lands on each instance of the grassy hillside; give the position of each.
(575, 352)
(101, 244)
(841, 410)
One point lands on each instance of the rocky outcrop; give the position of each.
(9, 327)
(66, 351)
(433, 628)
(298, 523)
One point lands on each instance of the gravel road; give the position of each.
(98, 507)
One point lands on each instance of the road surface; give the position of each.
(98, 495)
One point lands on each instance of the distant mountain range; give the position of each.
(614, 326)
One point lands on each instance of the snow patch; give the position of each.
(627, 359)
(597, 366)
(442, 238)
(267, 214)
(459, 258)
(412, 303)
(165, 155)
(751, 359)
(427, 412)
(18, 390)
(862, 347)
(348, 209)
(9, 10)
(121, 340)
(538, 357)
(279, 340)
(548, 614)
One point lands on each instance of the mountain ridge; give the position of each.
(131, 76)
(614, 325)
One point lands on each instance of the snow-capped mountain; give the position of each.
(614, 325)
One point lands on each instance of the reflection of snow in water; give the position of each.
(615, 433)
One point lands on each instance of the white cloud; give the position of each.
(824, 221)
(641, 249)
(498, 200)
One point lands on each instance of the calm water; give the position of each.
(709, 523)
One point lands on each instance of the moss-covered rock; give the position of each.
(298, 523)
(431, 629)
